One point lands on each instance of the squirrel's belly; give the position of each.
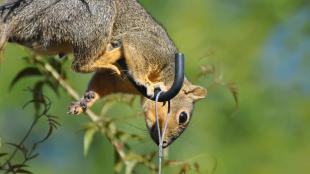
(63, 48)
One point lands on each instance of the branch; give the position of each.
(105, 125)
(67, 87)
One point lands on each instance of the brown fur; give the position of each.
(89, 31)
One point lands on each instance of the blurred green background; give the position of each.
(262, 46)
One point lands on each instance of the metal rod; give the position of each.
(174, 89)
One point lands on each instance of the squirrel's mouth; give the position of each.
(154, 135)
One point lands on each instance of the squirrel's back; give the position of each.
(44, 24)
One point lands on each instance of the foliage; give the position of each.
(53, 75)
(42, 106)
(255, 44)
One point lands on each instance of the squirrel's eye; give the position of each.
(183, 118)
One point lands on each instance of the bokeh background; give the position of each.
(262, 46)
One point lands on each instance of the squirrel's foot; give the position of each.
(81, 106)
(150, 89)
(76, 108)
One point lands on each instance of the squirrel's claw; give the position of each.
(115, 69)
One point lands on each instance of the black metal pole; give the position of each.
(174, 89)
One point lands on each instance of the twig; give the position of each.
(21, 142)
(68, 88)
(106, 127)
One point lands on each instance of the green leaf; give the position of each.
(118, 167)
(55, 64)
(106, 107)
(235, 92)
(53, 85)
(38, 95)
(3, 154)
(33, 156)
(27, 72)
(23, 171)
(118, 163)
(88, 138)
(197, 167)
(19, 166)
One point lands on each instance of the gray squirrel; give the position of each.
(99, 33)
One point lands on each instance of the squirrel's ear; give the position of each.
(197, 92)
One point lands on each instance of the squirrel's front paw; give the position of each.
(77, 108)
(150, 89)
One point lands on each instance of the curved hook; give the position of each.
(174, 89)
(177, 83)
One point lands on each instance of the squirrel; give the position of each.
(100, 33)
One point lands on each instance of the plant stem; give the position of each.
(21, 142)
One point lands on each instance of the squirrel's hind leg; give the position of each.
(92, 36)
(107, 60)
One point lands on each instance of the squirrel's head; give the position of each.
(181, 109)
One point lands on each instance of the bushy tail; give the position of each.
(4, 29)
(3, 26)
(6, 10)
(4, 33)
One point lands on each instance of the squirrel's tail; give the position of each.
(3, 35)
(5, 25)
(3, 29)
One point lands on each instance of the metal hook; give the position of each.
(175, 88)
